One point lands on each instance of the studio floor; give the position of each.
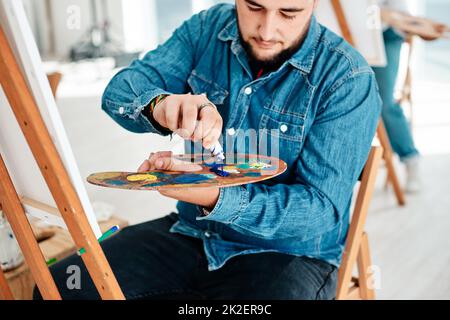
(410, 244)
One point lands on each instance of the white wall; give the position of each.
(67, 33)
(140, 24)
(65, 22)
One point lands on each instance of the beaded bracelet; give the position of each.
(157, 100)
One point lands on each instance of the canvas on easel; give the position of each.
(45, 149)
(16, 153)
(363, 22)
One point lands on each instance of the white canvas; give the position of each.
(21, 165)
(363, 18)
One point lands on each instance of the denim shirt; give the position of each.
(326, 99)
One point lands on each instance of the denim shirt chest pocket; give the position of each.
(285, 132)
(200, 84)
(284, 117)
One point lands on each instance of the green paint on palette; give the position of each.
(243, 166)
(252, 174)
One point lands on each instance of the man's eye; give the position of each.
(286, 16)
(254, 8)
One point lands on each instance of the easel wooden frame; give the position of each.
(357, 244)
(5, 291)
(59, 184)
(388, 154)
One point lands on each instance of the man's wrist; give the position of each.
(157, 100)
(205, 211)
(148, 112)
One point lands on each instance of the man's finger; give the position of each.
(189, 121)
(199, 132)
(208, 119)
(145, 166)
(213, 135)
(150, 155)
(172, 116)
(173, 164)
(157, 155)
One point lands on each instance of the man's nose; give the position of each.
(267, 28)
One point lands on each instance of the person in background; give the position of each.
(394, 119)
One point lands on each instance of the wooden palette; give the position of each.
(243, 170)
(410, 24)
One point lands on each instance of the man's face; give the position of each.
(271, 27)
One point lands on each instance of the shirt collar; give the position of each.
(303, 59)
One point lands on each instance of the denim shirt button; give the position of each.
(231, 131)
(283, 128)
(248, 91)
(207, 234)
(121, 110)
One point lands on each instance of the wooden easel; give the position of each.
(388, 154)
(59, 184)
(5, 291)
(356, 250)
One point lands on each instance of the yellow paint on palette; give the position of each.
(142, 177)
(230, 169)
(259, 165)
(107, 175)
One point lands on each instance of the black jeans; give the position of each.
(149, 262)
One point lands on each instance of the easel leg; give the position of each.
(364, 263)
(15, 214)
(388, 158)
(5, 291)
(342, 21)
(55, 175)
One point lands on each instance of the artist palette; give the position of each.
(243, 169)
(410, 24)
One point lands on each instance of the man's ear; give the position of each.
(316, 3)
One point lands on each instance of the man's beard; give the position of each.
(275, 62)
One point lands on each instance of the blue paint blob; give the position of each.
(190, 178)
(117, 182)
(154, 184)
(209, 164)
(218, 169)
(219, 172)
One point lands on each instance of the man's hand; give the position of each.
(205, 197)
(190, 116)
(439, 28)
